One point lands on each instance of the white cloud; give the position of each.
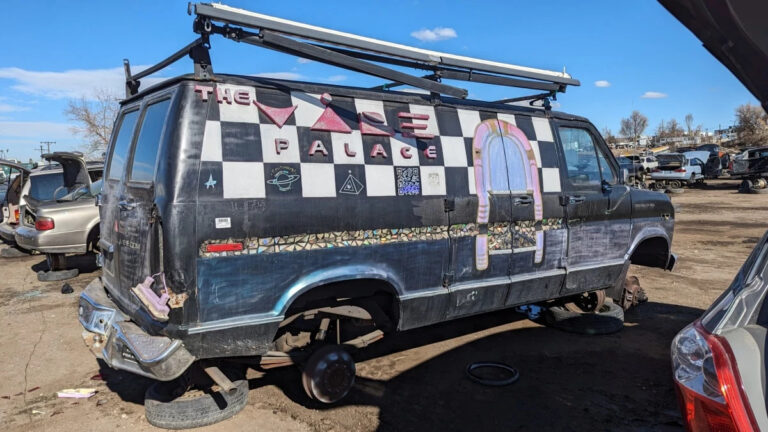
(602, 83)
(653, 95)
(336, 78)
(12, 108)
(73, 83)
(302, 60)
(280, 75)
(436, 34)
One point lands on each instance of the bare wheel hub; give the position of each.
(329, 374)
(587, 302)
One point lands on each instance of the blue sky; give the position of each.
(57, 50)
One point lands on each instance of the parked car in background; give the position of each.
(676, 170)
(720, 363)
(9, 204)
(647, 162)
(635, 170)
(68, 222)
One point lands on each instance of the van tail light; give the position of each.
(680, 170)
(708, 383)
(44, 224)
(224, 247)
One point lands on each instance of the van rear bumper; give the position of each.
(122, 344)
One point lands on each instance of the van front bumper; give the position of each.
(122, 344)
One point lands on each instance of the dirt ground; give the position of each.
(414, 380)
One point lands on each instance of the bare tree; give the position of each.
(93, 118)
(689, 123)
(751, 125)
(634, 126)
(608, 136)
(673, 129)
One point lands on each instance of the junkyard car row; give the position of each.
(246, 221)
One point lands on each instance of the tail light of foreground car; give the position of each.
(44, 224)
(16, 214)
(680, 170)
(708, 382)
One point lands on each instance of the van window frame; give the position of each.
(150, 100)
(598, 144)
(115, 132)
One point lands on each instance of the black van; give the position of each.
(285, 221)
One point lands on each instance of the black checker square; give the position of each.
(210, 185)
(379, 143)
(548, 154)
(488, 115)
(468, 147)
(213, 108)
(525, 124)
(457, 181)
(448, 121)
(307, 143)
(350, 181)
(423, 146)
(345, 108)
(276, 99)
(283, 180)
(240, 142)
(391, 109)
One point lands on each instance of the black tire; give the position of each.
(610, 319)
(759, 191)
(57, 275)
(675, 190)
(191, 412)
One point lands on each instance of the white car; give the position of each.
(676, 170)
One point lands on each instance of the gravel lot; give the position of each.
(415, 380)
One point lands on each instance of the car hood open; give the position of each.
(74, 167)
(734, 31)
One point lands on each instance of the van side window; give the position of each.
(580, 156)
(122, 142)
(148, 144)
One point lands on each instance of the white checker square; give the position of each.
(542, 128)
(270, 133)
(235, 112)
(243, 179)
(551, 179)
(211, 142)
(471, 180)
(380, 180)
(431, 122)
(309, 108)
(535, 145)
(398, 142)
(454, 152)
(318, 180)
(376, 106)
(509, 118)
(355, 145)
(468, 120)
(432, 180)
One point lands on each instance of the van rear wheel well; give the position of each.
(651, 252)
(92, 241)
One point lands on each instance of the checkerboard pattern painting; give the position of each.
(406, 150)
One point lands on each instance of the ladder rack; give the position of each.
(353, 52)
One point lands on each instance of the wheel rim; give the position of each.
(587, 302)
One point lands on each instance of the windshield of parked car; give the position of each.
(42, 186)
(82, 191)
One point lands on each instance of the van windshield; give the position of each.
(42, 187)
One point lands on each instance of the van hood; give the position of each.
(734, 31)
(74, 167)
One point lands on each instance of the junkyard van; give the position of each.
(279, 218)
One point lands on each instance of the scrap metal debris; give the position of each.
(633, 294)
(78, 393)
(67, 289)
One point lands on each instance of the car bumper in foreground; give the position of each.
(122, 344)
(49, 241)
(7, 232)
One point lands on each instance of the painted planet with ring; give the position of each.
(283, 180)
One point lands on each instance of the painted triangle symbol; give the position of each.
(351, 186)
(329, 121)
(278, 115)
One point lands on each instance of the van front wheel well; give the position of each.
(651, 252)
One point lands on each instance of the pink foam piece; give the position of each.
(159, 303)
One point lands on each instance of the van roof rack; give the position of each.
(353, 52)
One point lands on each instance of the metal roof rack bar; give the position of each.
(241, 17)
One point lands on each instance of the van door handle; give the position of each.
(576, 199)
(126, 205)
(525, 200)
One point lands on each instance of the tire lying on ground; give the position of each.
(608, 319)
(675, 190)
(193, 409)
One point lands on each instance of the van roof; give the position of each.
(310, 87)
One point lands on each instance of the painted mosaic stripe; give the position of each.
(500, 238)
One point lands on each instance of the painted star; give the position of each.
(210, 183)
